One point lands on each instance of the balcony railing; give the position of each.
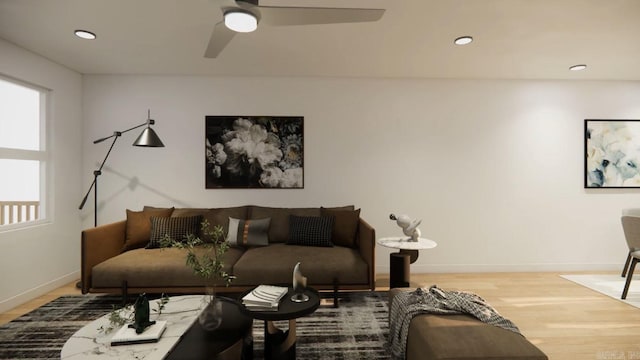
(12, 212)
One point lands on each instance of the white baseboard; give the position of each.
(12, 302)
(480, 268)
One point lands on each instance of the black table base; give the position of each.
(400, 271)
(279, 344)
(231, 341)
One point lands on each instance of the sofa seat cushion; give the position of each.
(274, 264)
(153, 268)
(464, 337)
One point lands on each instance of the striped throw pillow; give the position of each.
(176, 227)
(250, 232)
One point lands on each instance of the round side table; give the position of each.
(280, 344)
(400, 272)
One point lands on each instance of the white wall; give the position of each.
(36, 260)
(494, 168)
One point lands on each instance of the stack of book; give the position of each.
(127, 335)
(264, 298)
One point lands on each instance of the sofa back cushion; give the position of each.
(220, 216)
(138, 229)
(279, 227)
(215, 216)
(345, 226)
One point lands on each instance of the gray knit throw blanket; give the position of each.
(406, 305)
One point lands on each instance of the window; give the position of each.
(23, 154)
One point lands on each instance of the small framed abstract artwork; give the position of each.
(254, 152)
(612, 153)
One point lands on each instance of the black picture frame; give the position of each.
(254, 152)
(611, 154)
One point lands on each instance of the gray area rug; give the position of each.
(610, 285)
(358, 329)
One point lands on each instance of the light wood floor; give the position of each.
(565, 320)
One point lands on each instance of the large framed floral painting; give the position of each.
(612, 153)
(254, 152)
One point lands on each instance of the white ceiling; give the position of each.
(514, 39)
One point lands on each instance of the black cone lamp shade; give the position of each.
(148, 138)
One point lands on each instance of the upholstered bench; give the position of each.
(457, 337)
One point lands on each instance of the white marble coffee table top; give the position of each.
(404, 243)
(89, 343)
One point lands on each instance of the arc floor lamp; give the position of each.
(148, 138)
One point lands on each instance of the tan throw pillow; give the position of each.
(138, 228)
(344, 226)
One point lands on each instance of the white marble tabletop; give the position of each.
(90, 343)
(404, 243)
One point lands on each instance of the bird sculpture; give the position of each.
(409, 226)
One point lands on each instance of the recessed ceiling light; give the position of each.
(463, 40)
(85, 34)
(240, 21)
(578, 67)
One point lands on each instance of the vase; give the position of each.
(210, 317)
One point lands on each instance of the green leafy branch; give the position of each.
(122, 315)
(210, 263)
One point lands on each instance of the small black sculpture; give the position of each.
(141, 313)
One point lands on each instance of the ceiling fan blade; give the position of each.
(276, 15)
(220, 37)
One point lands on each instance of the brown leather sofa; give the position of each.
(459, 337)
(110, 264)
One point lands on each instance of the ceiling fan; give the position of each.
(246, 14)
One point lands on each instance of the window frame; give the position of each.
(43, 156)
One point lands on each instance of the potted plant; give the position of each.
(205, 256)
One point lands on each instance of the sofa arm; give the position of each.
(97, 245)
(367, 247)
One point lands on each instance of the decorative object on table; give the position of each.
(409, 226)
(148, 138)
(141, 314)
(209, 265)
(264, 298)
(254, 152)
(299, 284)
(612, 153)
(122, 316)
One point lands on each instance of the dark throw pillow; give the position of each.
(250, 232)
(344, 227)
(310, 230)
(176, 227)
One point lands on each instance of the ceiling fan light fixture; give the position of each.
(240, 21)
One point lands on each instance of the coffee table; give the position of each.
(184, 338)
(280, 344)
